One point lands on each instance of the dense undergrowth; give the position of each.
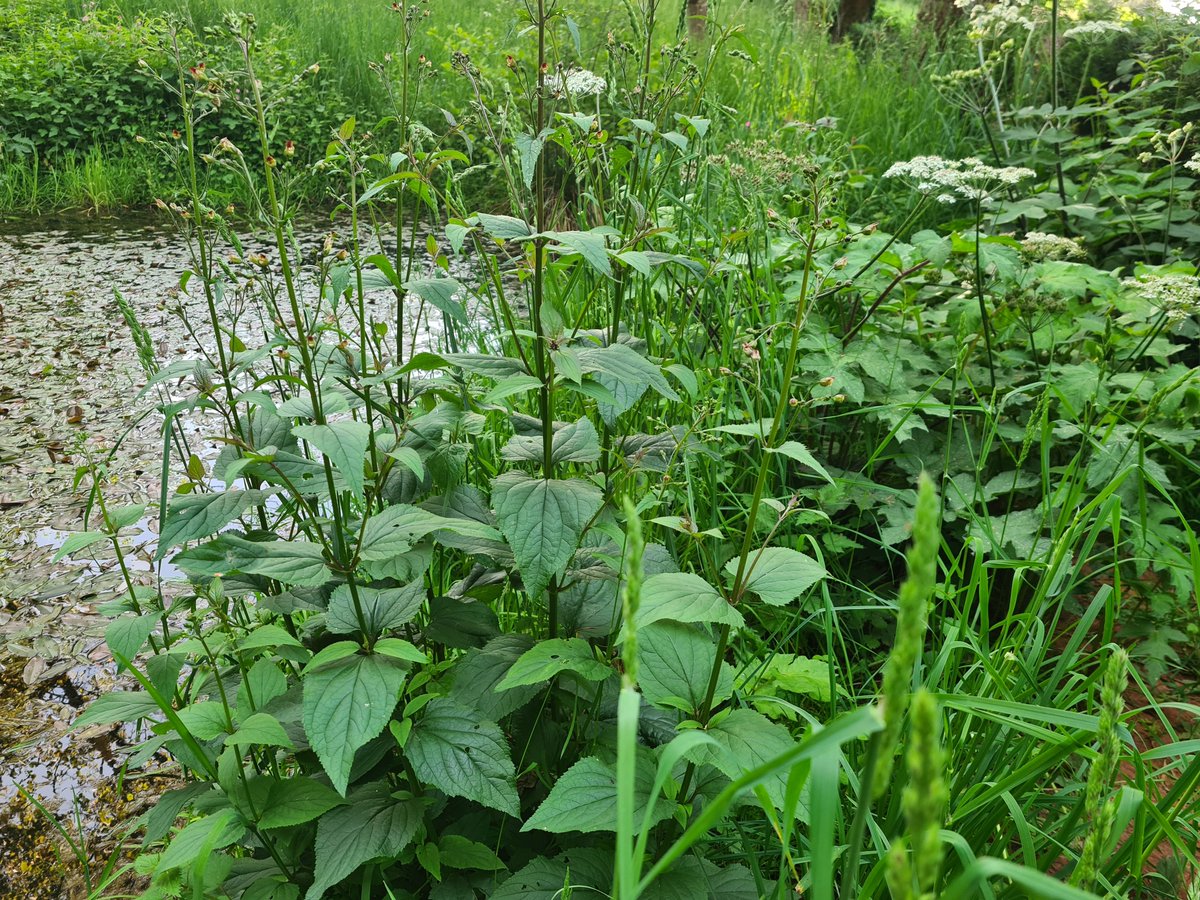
(609, 591)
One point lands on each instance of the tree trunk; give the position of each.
(851, 13)
(697, 16)
(937, 17)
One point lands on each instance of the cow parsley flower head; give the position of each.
(993, 19)
(1094, 31)
(947, 179)
(1175, 294)
(1040, 245)
(575, 83)
(1193, 164)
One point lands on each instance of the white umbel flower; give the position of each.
(968, 179)
(1175, 294)
(1086, 31)
(576, 83)
(1040, 245)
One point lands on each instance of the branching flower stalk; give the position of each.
(302, 337)
(742, 578)
(544, 367)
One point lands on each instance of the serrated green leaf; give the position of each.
(675, 662)
(780, 575)
(458, 852)
(201, 837)
(260, 729)
(196, 516)
(373, 825)
(398, 648)
(346, 704)
(747, 739)
(344, 444)
(591, 246)
(543, 520)
(683, 597)
(440, 293)
(383, 609)
(584, 799)
(76, 542)
(797, 451)
(546, 659)
(119, 706)
(294, 801)
(504, 227)
(529, 148)
(126, 635)
(574, 442)
(463, 755)
(397, 528)
(410, 459)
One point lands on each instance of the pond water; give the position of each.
(69, 374)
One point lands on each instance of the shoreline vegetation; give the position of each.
(690, 456)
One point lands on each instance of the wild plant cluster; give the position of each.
(671, 530)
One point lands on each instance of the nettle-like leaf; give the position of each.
(675, 662)
(202, 837)
(543, 520)
(294, 801)
(746, 739)
(574, 442)
(455, 749)
(585, 798)
(626, 374)
(297, 563)
(194, 516)
(440, 293)
(589, 868)
(344, 444)
(372, 825)
(383, 609)
(118, 706)
(780, 574)
(479, 670)
(394, 531)
(548, 658)
(346, 704)
(683, 597)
